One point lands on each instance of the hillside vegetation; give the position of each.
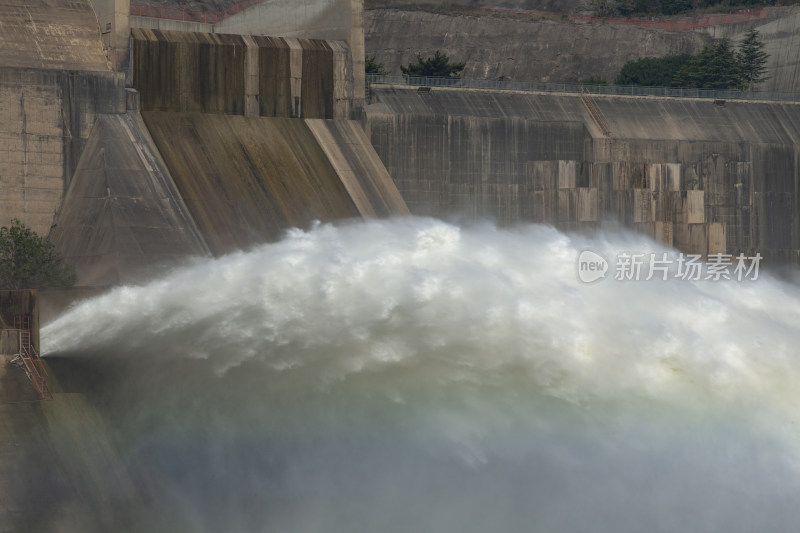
(675, 7)
(195, 5)
(553, 6)
(605, 8)
(717, 66)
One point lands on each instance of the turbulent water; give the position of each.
(414, 376)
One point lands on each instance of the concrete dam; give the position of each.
(237, 374)
(214, 124)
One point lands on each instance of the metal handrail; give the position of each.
(29, 357)
(577, 88)
(676, 24)
(686, 23)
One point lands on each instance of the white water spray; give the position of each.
(465, 365)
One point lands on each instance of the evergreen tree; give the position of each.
(652, 71)
(715, 67)
(437, 66)
(673, 7)
(608, 8)
(752, 60)
(28, 261)
(371, 66)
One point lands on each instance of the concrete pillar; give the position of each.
(342, 89)
(296, 76)
(251, 72)
(113, 18)
(356, 43)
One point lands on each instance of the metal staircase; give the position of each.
(29, 358)
(594, 111)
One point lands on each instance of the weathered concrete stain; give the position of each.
(50, 34)
(211, 73)
(246, 179)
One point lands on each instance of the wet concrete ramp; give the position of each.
(51, 34)
(247, 179)
(358, 166)
(122, 217)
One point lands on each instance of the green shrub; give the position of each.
(438, 66)
(652, 71)
(28, 261)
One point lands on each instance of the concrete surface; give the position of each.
(310, 19)
(150, 23)
(178, 71)
(50, 34)
(45, 119)
(113, 20)
(122, 219)
(197, 5)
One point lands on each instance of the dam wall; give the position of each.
(699, 175)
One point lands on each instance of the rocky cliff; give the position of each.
(529, 48)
